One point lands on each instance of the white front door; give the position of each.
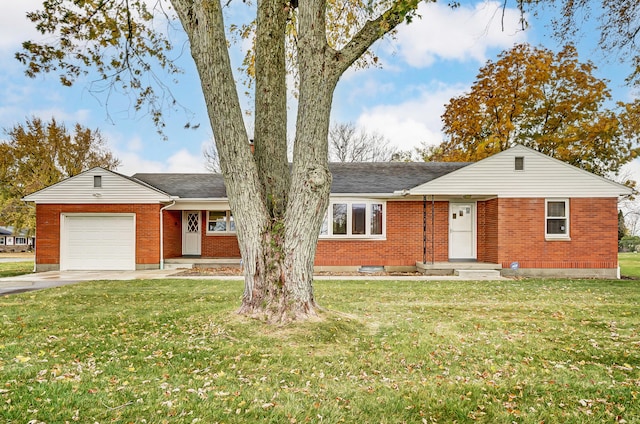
(462, 234)
(191, 233)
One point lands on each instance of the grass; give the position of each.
(629, 264)
(11, 269)
(173, 351)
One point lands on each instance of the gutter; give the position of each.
(173, 202)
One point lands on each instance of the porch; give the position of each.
(199, 262)
(469, 269)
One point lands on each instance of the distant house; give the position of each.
(11, 242)
(518, 211)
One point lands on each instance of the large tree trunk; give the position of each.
(278, 211)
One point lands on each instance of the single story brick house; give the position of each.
(11, 242)
(518, 211)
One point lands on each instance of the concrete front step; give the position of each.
(186, 262)
(479, 274)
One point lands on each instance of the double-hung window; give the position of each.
(21, 240)
(557, 219)
(354, 219)
(220, 222)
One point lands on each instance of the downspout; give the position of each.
(173, 202)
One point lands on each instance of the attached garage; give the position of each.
(97, 242)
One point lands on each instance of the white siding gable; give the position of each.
(114, 188)
(542, 176)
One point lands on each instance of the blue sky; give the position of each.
(430, 61)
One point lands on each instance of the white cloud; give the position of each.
(16, 28)
(464, 33)
(185, 161)
(70, 118)
(406, 125)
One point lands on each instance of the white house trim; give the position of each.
(542, 176)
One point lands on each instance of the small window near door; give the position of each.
(220, 222)
(519, 163)
(97, 181)
(557, 219)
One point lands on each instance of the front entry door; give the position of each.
(191, 233)
(462, 234)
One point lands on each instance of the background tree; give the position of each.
(548, 101)
(278, 210)
(211, 158)
(38, 154)
(617, 22)
(347, 143)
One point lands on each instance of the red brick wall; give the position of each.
(593, 228)
(220, 246)
(404, 242)
(172, 223)
(48, 229)
(487, 228)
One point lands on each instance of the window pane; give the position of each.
(556, 209)
(340, 218)
(358, 218)
(376, 218)
(21, 240)
(1, 240)
(556, 226)
(217, 221)
(232, 223)
(324, 229)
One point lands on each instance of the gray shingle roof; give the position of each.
(187, 186)
(378, 178)
(386, 177)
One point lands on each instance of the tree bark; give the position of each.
(278, 211)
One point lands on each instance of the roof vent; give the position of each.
(519, 163)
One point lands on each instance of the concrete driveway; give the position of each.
(43, 280)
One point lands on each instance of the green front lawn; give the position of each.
(11, 269)
(174, 351)
(629, 264)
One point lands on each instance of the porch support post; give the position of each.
(424, 229)
(433, 226)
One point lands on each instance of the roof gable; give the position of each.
(114, 188)
(542, 176)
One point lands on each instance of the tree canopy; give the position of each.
(548, 101)
(38, 154)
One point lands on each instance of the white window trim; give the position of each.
(21, 239)
(567, 235)
(220, 233)
(349, 202)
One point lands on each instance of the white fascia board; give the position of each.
(220, 203)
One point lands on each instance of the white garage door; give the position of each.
(98, 242)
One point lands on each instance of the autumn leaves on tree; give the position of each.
(547, 101)
(38, 154)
